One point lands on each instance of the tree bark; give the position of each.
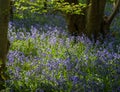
(95, 20)
(4, 43)
(76, 23)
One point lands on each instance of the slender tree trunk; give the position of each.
(115, 2)
(115, 11)
(4, 19)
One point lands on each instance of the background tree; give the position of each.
(93, 22)
(4, 43)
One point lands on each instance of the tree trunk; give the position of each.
(95, 20)
(4, 19)
(76, 23)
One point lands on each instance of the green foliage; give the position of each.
(70, 8)
(38, 6)
(33, 6)
(27, 46)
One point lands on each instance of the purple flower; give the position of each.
(20, 35)
(75, 79)
(34, 32)
(53, 40)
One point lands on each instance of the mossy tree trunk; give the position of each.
(93, 22)
(4, 19)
